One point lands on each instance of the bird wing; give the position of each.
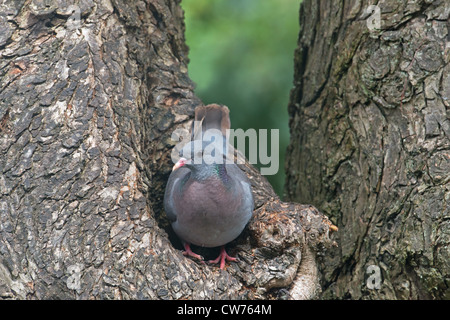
(172, 188)
(234, 171)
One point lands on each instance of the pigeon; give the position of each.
(209, 203)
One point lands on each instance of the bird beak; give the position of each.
(179, 164)
(176, 166)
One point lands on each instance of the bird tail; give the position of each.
(211, 116)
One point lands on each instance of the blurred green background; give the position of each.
(241, 55)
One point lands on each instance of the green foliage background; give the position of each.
(241, 55)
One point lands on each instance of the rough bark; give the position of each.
(370, 143)
(89, 97)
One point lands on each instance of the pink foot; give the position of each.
(222, 257)
(189, 253)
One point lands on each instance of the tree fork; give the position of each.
(89, 98)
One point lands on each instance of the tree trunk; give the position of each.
(370, 143)
(89, 96)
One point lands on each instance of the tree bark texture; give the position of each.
(370, 132)
(90, 93)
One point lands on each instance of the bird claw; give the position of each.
(193, 255)
(188, 253)
(222, 258)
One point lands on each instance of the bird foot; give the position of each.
(188, 252)
(222, 258)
